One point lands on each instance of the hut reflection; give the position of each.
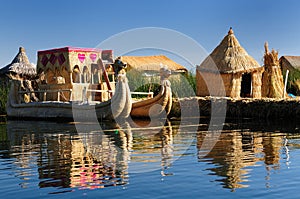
(236, 152)
(272, 143)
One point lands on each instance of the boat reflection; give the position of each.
(65, 157)
(152, 147)
(85, 155)
(100, 157)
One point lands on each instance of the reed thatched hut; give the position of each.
(291, 63)
(240, 73)
(272, 79)
(150, 64)
(19, 68)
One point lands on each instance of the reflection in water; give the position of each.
(32, 145)
(84, 157)
(167, 149)
(231, 154)
(67, 157)
(99, 160)
(152, 147)
(237, 151)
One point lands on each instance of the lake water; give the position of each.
(137, 160)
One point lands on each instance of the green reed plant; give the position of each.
(183, 85)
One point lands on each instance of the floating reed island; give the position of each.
(261, 109)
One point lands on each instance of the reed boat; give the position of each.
(118, 106)
(74, 83)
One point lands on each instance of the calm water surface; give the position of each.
(165, 160)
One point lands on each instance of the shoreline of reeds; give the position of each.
(260, 109)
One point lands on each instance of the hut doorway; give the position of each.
(246, 85)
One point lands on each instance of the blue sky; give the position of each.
(39, 25)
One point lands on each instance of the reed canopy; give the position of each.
(229, 70)
(152, 63)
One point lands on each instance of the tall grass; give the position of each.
(183, 85)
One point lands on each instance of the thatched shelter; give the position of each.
(291, 63)
(272, 79)
(152, 63)
(19, 68)
(229, 63)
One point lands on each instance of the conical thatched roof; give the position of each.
(229, 57)
(20, 65)
(151, 63)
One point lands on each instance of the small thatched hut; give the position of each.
(150, 64)
(291, 63)
(240, 73)
(272, 79)
(19, 68)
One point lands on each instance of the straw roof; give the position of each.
(293, 61)
(152, 63)
(229, 57)
(20, 65)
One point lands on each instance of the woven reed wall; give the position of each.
(231, 82)
(211, 84)
(235, 89)
(256, 84)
